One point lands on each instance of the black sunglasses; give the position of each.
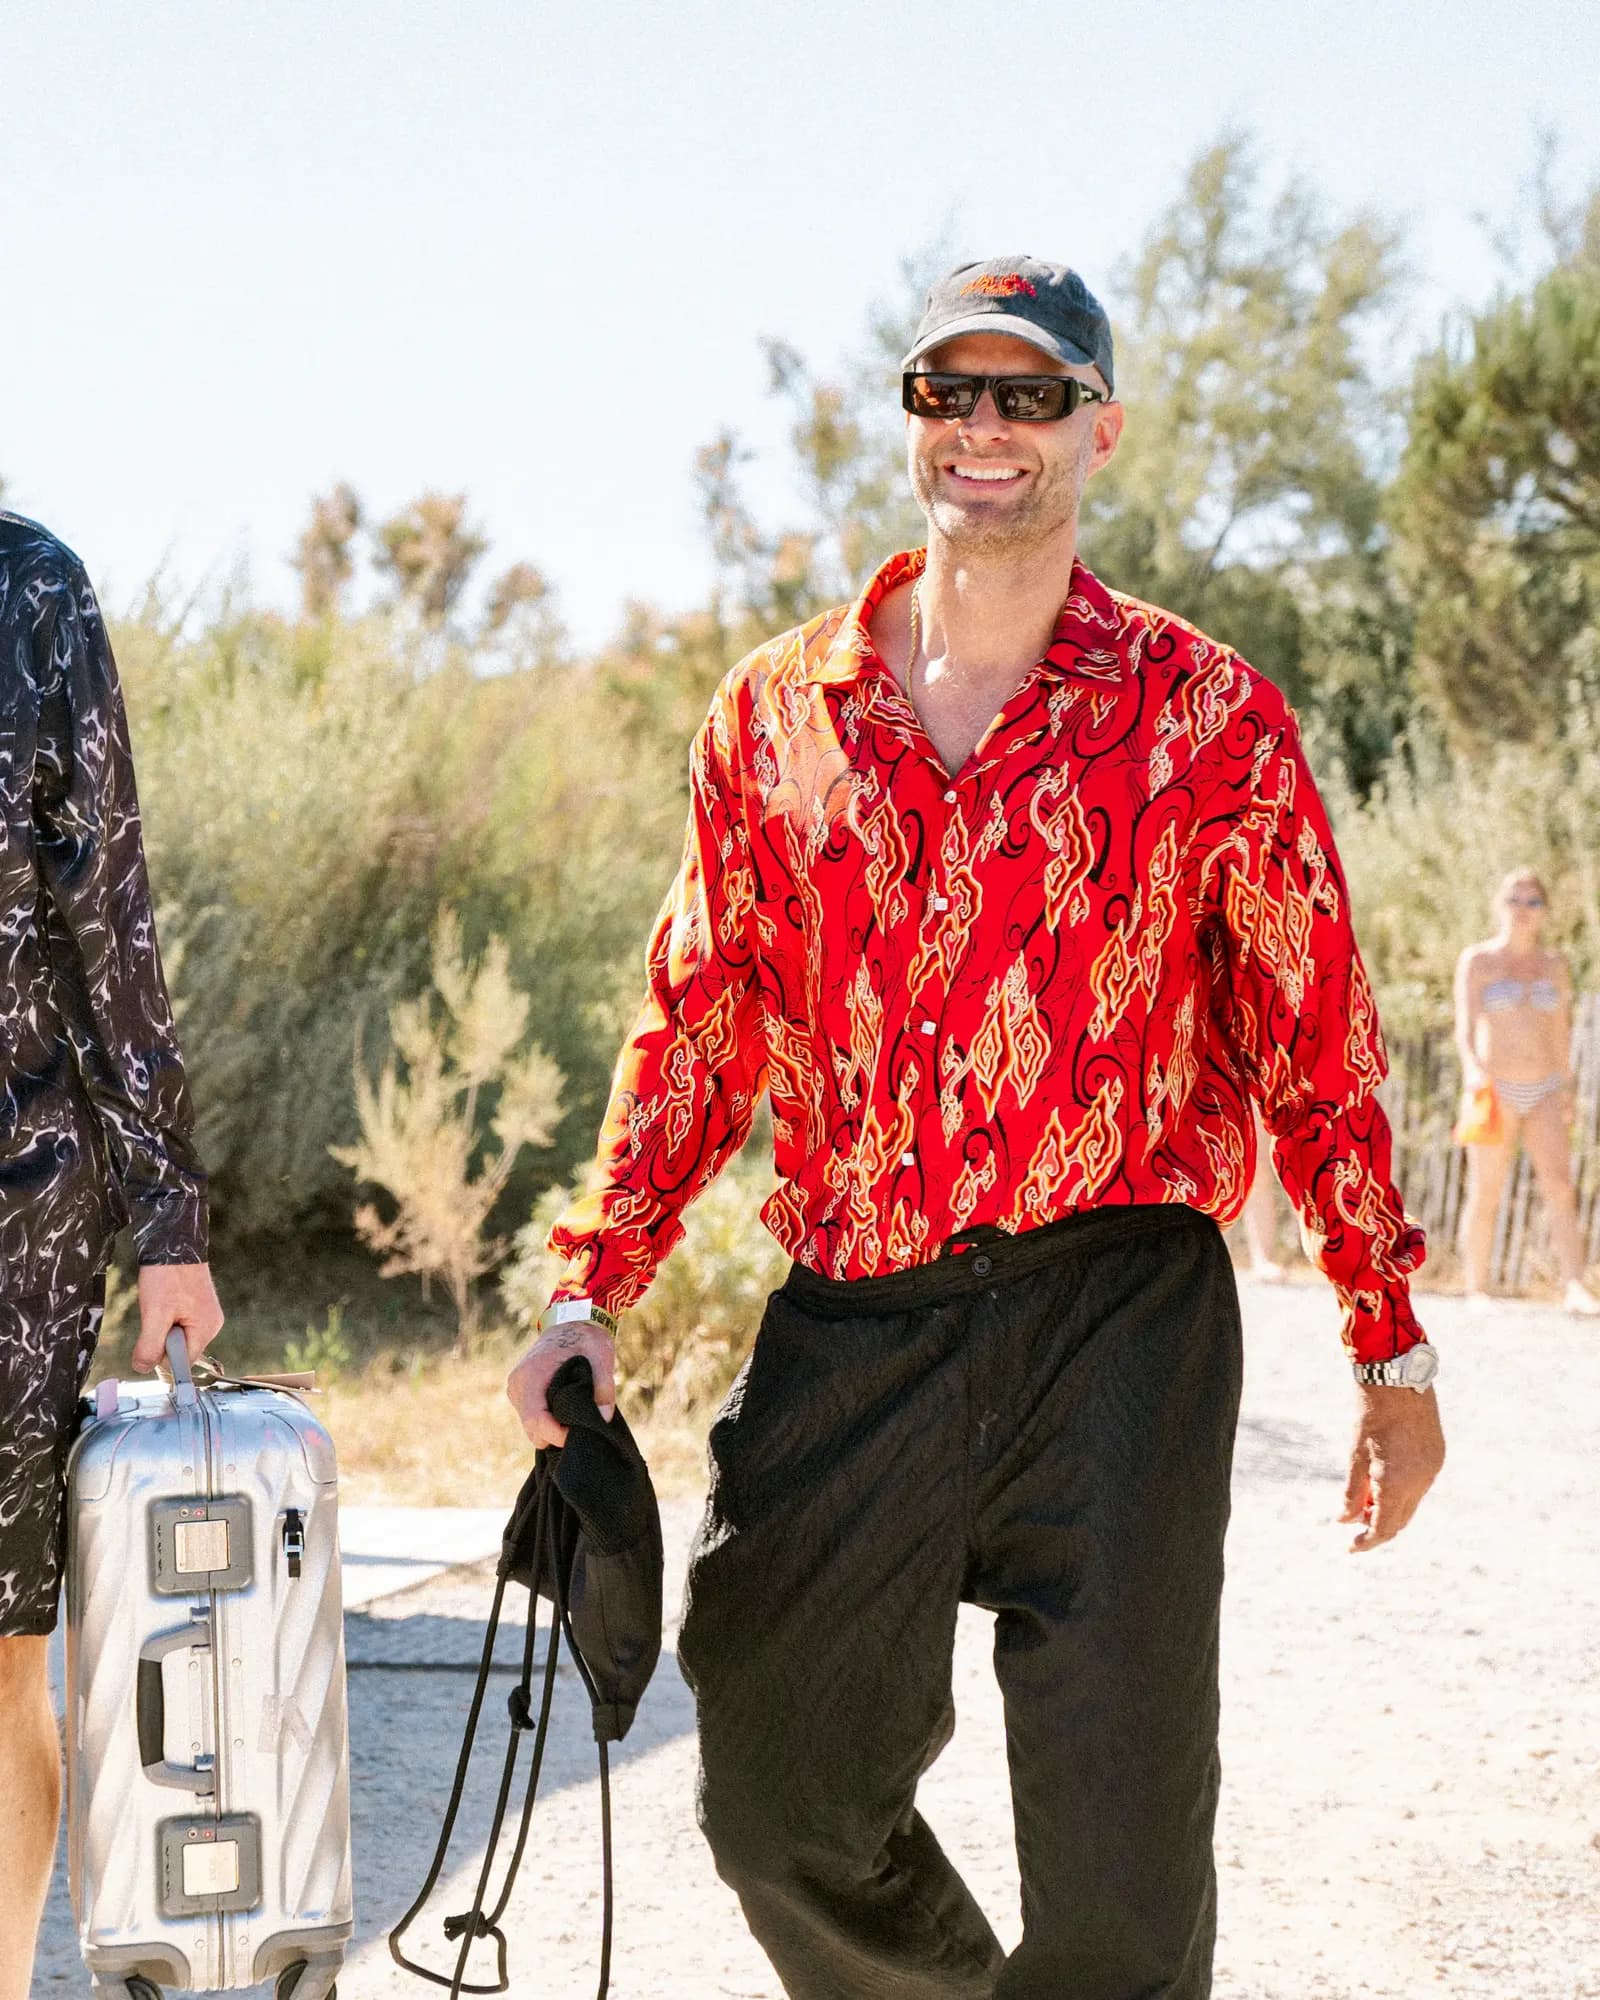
(1020, 399)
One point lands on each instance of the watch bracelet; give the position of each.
(1371, 1374)
(587, 1313)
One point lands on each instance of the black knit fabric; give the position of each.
(1042, 1426)
(605, 1531)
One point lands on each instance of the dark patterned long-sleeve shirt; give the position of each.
(1051, 981)
(95, 1121)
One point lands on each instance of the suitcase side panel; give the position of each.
(282, 1726)
(114, 1812)
(266, 1702)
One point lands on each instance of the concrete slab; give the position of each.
(385, 1549)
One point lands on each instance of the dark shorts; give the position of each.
(46, 1344)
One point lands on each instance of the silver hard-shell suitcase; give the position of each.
(208, 1796)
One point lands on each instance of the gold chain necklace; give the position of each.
(916, 634)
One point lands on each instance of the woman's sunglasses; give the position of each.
(1020, 399)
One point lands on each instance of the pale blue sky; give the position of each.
(250, 249)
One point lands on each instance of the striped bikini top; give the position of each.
(1543, 995)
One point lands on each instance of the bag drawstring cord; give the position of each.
(475, 1923)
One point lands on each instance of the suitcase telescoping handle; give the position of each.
(151, 1706)
(150, 1694)
(183, 1389)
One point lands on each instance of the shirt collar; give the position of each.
(1091, 639)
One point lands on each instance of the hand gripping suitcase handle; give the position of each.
(151, 1707)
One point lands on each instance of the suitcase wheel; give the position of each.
(142, 1989)
(289, 1980)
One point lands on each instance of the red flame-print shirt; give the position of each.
(1054, 980)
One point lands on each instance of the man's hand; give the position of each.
(1399, 1449)
(529, 1382)
(175, 1295)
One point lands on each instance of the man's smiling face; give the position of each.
(986, 485)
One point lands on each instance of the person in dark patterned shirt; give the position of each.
(1017, 897)
(95, 1132)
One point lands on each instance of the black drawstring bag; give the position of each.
(586, 1534)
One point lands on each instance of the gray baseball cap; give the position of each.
(1044, 304)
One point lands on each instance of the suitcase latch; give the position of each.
(210, 1865)
(294, 1539)
(198, 1545)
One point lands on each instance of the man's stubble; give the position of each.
(1050, 508)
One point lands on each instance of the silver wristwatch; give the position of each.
(1414, 1369)
(566, 1312)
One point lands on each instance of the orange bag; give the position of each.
(1478, 1123)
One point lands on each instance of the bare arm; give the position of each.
(1561, 972)
(1472, 1069)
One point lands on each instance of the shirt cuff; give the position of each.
(1379, 1324)
(612, 1295)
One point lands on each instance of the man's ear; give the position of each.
(1108, 419)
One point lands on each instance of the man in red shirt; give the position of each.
(1015, 894)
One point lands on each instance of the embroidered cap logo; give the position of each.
(1006, 287)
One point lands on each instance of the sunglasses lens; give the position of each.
(1020, 399)
(1035, 399)
(941, 396)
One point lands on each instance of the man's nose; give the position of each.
(984, 418)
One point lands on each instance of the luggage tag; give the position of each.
(205, 1374)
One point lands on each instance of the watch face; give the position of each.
(1419, 1366)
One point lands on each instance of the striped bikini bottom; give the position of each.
(1522, 1097)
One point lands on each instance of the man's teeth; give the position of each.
(994, 473)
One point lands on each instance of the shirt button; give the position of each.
(949, 798)
(927, 1027)
(941, 902)
(908, 1159)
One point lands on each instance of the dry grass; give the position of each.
(438, 1432)
(414, 1423)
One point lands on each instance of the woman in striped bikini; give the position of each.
(1514, 1031)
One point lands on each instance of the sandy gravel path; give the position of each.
(1411, 1740)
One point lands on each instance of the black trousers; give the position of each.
(1042, 1425)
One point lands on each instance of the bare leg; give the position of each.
(1549, 1142)
(1487, 1169)
(30, 1783)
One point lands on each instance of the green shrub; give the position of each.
(325, 1351)
(312, 795)
(457, 1050)
(1428, 849)
(684, 1342)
